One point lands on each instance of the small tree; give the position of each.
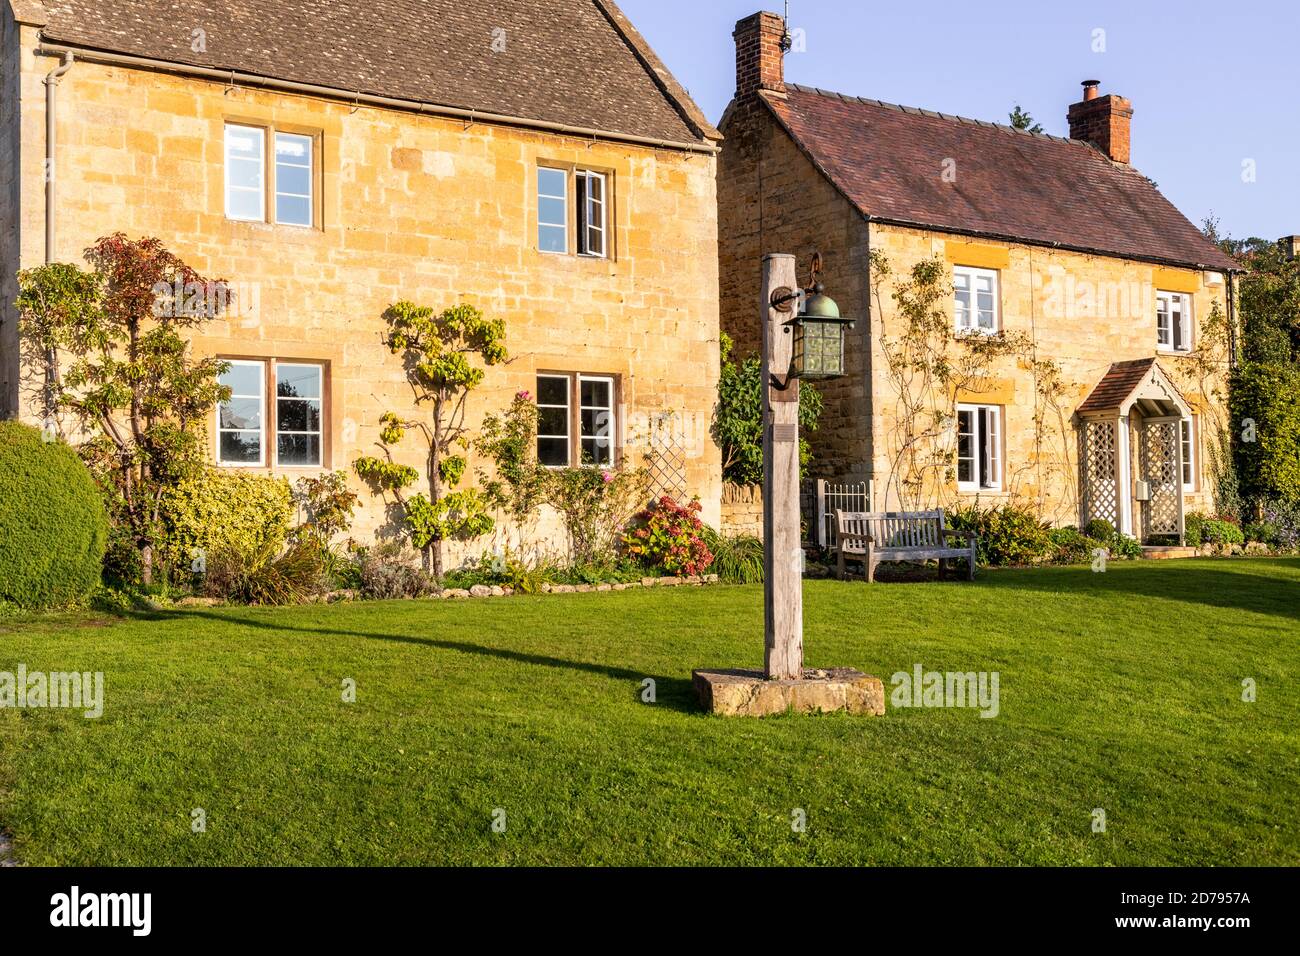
(438, 353)
(59, 307)
(738, 418)
(1023, 119)
(130, 381)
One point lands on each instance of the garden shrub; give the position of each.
(1008, 535)
(391, 570)
(1261, 532)
(1099, 529)
(226, 512)
(670, 537)
(737, 559)
(53, 525)
(267, 576)
(1069, 545)
(1284, 518)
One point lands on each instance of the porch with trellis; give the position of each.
(1131, 452)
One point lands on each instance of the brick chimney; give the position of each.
(759, 54)
(1103, 121)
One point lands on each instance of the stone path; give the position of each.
(6, 851)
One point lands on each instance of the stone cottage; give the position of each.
(1075, 356)
(534, 159)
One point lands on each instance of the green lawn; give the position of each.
(1119, 690)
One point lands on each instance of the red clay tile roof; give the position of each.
(1045, 190)
(1116, 385)
(1120, 381)
(575, 62)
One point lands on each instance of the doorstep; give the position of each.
(1167, 552)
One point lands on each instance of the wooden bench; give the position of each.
(872, 537)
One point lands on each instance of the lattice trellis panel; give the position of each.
(1160, 468)
(667, 441)
(1097, 443)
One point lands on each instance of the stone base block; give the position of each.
(738, 693)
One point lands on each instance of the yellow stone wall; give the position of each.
(416, 207)
(1081, 311)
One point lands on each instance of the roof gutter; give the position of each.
(383, 102)
(51, 125)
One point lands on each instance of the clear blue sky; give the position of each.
(1212, 83)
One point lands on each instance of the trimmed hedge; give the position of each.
(53, 525)
(1267, 454)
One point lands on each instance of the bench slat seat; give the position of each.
(872, 537)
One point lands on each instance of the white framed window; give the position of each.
(576, 420)
(979, 447)
(245, 173)
(253, 433)
(241, 429)
(596, 398)
(1174, 321)
(1187, 435)
(553, 420)
(552, 210)
(975, 295)
(591, 213)
(299, 390)
(293, 179)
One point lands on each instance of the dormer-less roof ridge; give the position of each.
(915, 168)
(921, 111)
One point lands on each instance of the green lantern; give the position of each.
(819, 337)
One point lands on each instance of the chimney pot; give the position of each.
(1090, 89)
(760, 51)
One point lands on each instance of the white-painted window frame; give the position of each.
(1166, 321)
(261, 366)
(592, 216)
(611, 431)
(311, 180)
(1187, 438)
(567, 437)
(985, 441)
(274, 372)
(564, 206)
(260, 133)
(972, 275)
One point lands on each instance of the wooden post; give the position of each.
(783, 554)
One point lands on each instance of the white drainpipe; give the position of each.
(51, 100)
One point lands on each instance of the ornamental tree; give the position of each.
(130, 381)
(439, 352)
(738, 418)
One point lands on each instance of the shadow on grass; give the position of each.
(674, 693)
(1234, 584)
